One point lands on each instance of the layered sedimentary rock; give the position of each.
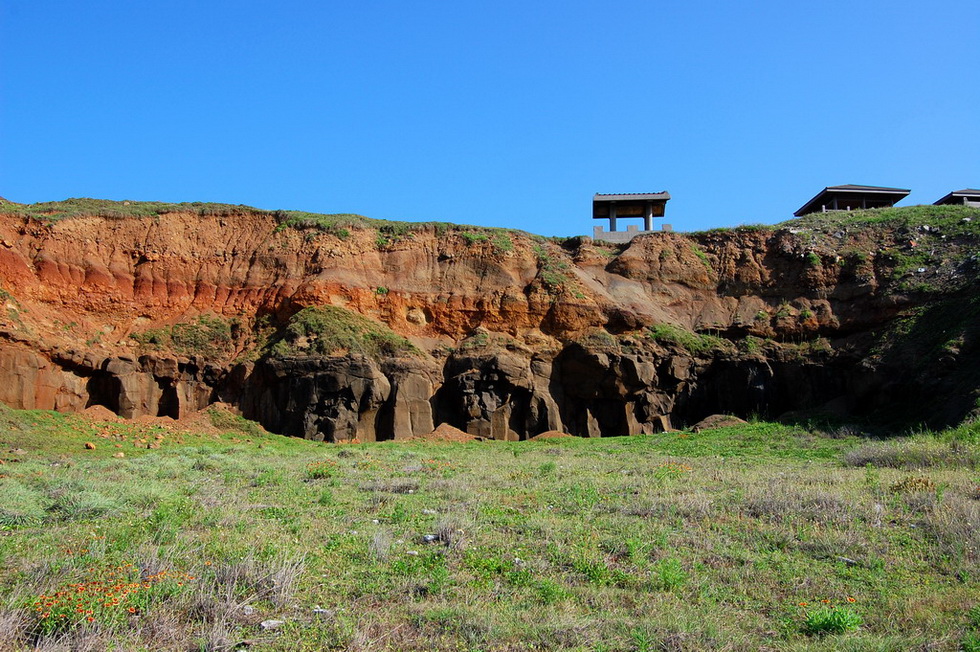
(514, 335)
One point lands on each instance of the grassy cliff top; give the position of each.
(78, 207)
(75, 207)
(951, 220)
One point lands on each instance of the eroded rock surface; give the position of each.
(514, 336)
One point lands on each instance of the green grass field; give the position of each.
(749, 538)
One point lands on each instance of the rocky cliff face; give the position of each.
(514, 335)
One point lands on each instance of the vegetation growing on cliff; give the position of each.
(390, 232)
(947, 326)
(53, 211)
(329, 330)
(553, 271)
(695, 343)
(742, 537)
(948, 218)
(918, 249)
(337, 224)
(316, 330)
(208, 336)
(947, 332)
(334, 222)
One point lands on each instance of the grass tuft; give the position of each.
(21, 505)
(208, 336)
(916, 453)
(330, 330)
(830, 620)
(695, 343)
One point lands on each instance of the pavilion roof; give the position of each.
(851, 189)
(966, 192)
(632, 196)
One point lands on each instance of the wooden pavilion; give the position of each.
(614, 207)
(851, 197)
(965, 197)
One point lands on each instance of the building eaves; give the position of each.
(899, 193)
(631, 196)
(880, 189)
(966, 192)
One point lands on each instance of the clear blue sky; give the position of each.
(498, 113)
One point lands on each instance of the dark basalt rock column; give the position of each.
(320, 398)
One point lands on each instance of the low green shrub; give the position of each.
(830, 620)
(694, 342)
(503, 242)
(321, 469)
(668, 574)
(208, 336)
(328, 330)
(472, 238)
(970, 642)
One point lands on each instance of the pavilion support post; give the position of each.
(648, 218)
(612, 217)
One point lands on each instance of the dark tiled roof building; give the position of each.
(851, 197)
(965, 197)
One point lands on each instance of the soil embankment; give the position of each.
(499, 334)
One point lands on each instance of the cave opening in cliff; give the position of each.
(385, 422)
(104, 389)
(169, 404)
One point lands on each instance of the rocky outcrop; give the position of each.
(32, 381)
(516, 336)
(130, 387)
(325, 399)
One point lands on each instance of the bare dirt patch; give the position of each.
(551, 434)
(447, 433)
